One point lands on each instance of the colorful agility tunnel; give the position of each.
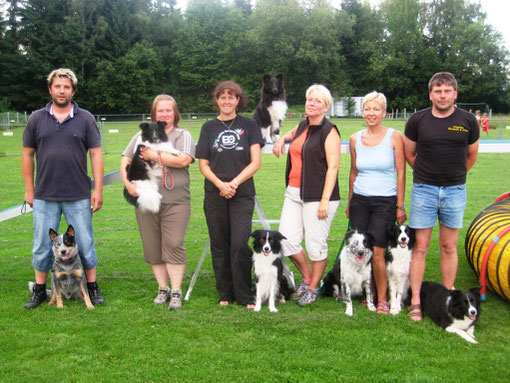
(488, 247)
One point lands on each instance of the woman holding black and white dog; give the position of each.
(312, 195)
(163, 233)
(376, 196)
(229, 153)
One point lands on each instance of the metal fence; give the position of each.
(117, 129)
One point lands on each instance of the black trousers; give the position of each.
(229, 223)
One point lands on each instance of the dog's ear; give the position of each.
(53, 234)
(266, 78)
(349, 234)
(161, 124)
(455, 294)
(280, 236)
(70, 230)
(144, 126)
(476, 291)
(256, 234)
(279, 76)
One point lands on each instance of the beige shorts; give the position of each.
(300, 217)
(163, 234)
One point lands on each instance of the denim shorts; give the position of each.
(429, 202)
(47, 215)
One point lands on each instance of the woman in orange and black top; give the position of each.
(312, 196)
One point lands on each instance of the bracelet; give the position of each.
(235, 181)
(403, 207)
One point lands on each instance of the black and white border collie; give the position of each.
(270, 111)
(352, 273)
(398, 257)
(455, 311)
(145, 174)
(270, 283)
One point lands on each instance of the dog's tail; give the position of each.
(327, 286)
(31, 285)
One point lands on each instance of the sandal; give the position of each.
(383, 307)
(414, 312)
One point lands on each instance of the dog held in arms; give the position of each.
(270, 111)
(270, 283)
(455, 311)
(145, 174)
(398, 258)
(352, 273)
(68, 277)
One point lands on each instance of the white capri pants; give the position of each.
(300, 217)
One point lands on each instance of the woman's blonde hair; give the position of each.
(375, 96)
(323, 93)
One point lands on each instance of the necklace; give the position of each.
(226, 126)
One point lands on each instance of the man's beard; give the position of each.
(62, 104)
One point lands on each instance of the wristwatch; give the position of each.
(403, 207)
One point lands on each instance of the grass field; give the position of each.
(130, 339)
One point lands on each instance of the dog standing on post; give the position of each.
(68, 278)
(270, 111)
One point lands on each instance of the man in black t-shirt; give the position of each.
(441, 145)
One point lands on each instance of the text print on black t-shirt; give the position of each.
(228, 140)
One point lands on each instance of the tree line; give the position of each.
(124, 52)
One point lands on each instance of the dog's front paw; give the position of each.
(348, 311)
(257, 308)
(395, 310)
(371, 306)
(273, 309)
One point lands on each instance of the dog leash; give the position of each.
(164, 171)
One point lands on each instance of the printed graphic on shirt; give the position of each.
(229, 140)
(458, 128)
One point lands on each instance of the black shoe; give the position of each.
(95, 294)
(38, 297)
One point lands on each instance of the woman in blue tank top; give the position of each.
(376, 196)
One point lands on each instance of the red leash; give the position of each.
(164, 171)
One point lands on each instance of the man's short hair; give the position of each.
(64, 73)
(442, 78)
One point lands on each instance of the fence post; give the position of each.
(103, 138)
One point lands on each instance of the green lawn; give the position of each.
(130, 339)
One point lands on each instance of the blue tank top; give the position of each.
(376, 168)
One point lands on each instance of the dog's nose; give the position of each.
(472, 311)
(266, 248)
(63, 252)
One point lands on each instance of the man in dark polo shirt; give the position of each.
(60, 135)
(441, 145)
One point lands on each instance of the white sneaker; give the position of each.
(163, 295)
(175, 300)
